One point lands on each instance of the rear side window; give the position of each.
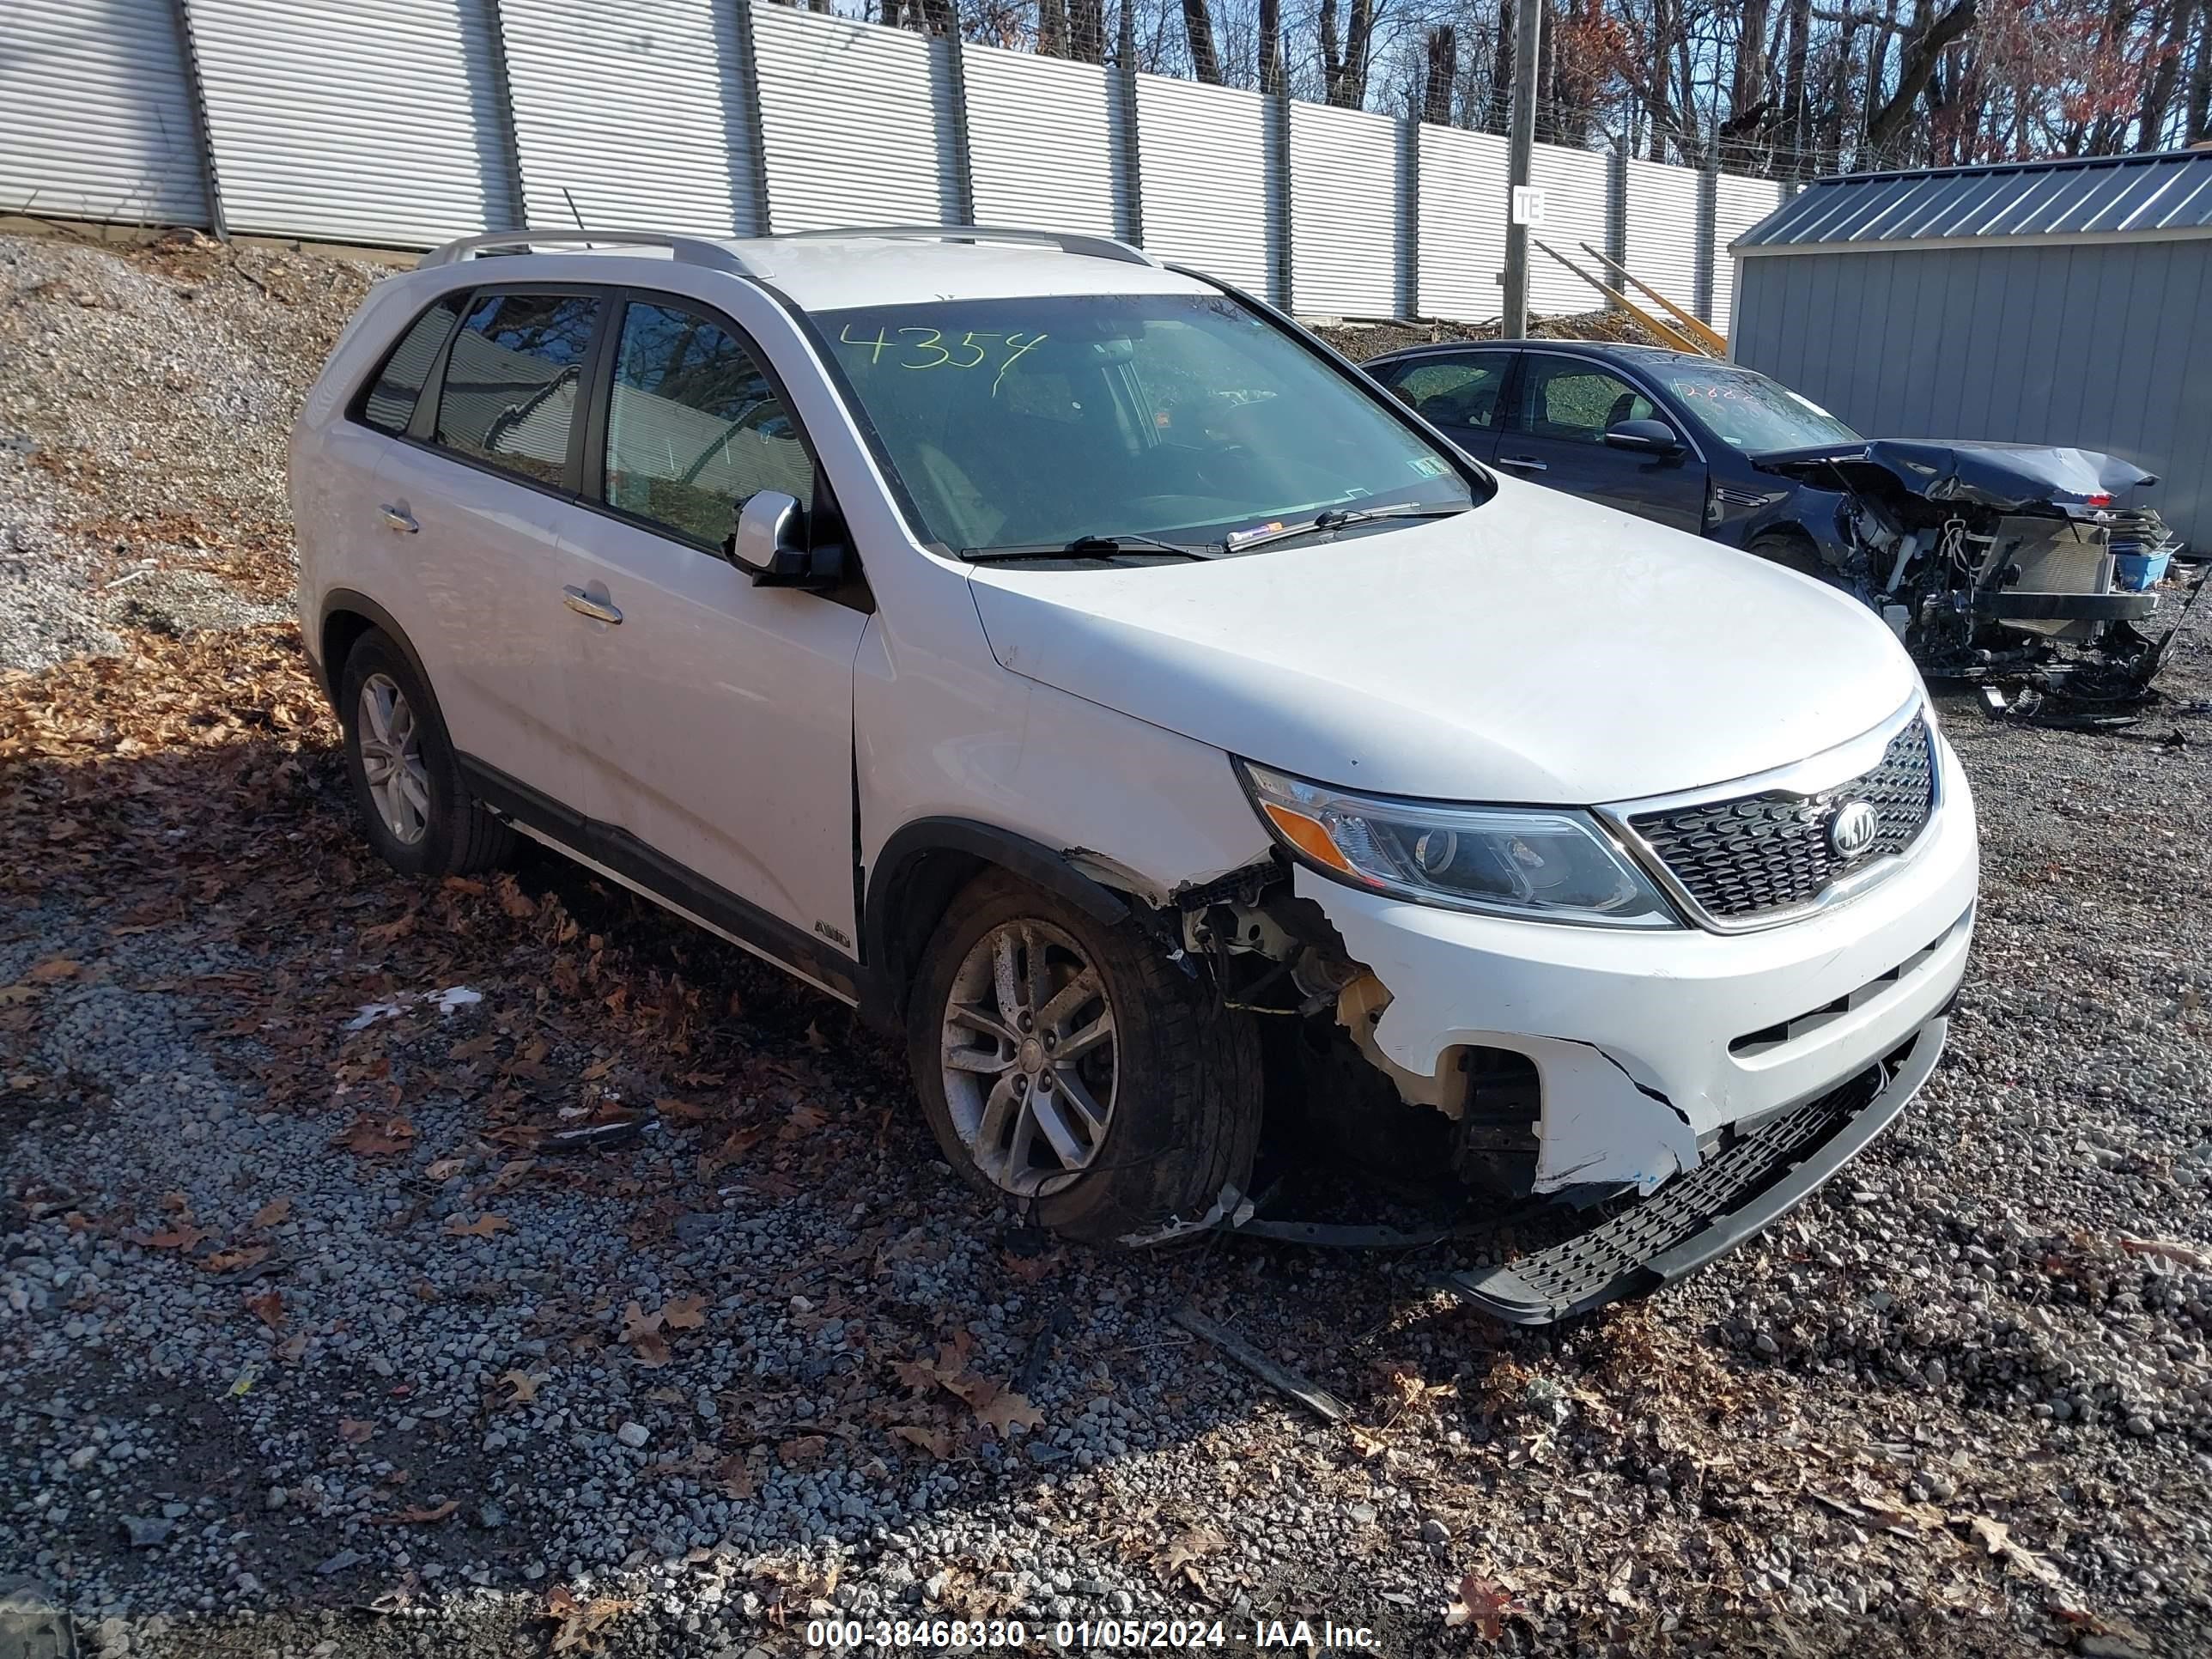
(694, 427)
(1453, 390)
(513, 380)
(389, 404)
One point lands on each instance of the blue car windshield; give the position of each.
(1041, 420)
(1748, 413)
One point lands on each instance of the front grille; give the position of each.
(1743, 858)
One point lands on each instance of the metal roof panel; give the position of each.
(2088, 195)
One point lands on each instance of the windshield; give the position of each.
(1748, 411)
(1042, 421)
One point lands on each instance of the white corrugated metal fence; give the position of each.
(404, 122)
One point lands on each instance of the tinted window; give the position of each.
(694, 428)
(509, 395)
(1024, 421)
(389, 404)
(1453, 390)
(1570, 398)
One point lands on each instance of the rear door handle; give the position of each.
(400, 519)
(1525, 463)
(585, 605)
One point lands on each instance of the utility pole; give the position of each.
(1521, 153)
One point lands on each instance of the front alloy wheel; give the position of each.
(391, 760)
(1030, 1063)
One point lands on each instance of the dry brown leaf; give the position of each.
(1187, 1549)
(651, 1349)
(1480, 1602)
(426, 1515)
(804, 1120)
(375, 1137)
(598, 1068)
(579, 1623)
(445, 1168)
(54, 968)
(521, 1388)
(386, 932)
(736, 1478)
(683, 1110)
(682, 1313)
(511, 1174)
(273, 1213)
(354, 1430)
(12, 995)
(178, 1235)
(268, 1308)
(226, 1262)
(483, 1227)
(1997, 1538)
(1004, 1410)
(804, 1452)
(513, 899)
(815, 1039)
(2166, 1250)
(936, 1441)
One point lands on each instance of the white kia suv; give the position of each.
(1076, 667)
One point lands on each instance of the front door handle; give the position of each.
(400, 519)
(1525, 463)
(585, 605)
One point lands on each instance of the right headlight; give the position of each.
(1538, 862)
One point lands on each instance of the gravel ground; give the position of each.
(315, 1343)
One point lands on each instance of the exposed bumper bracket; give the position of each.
(1709, 1211)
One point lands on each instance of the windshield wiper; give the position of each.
(1088, 547)
(1338, 517)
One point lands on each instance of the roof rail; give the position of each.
(688, 250)
(1095, 247)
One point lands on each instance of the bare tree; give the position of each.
(1272, 79)
(1922, 51)
(1442, 77)
(1198, 27)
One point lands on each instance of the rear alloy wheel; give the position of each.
(415, 804)
(1064, 1063)
(391, 760)
(1029, 1062)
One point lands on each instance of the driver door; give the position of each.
(1555, 435)
(718, 715)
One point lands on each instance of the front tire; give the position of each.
(415, 807)
(1066, 1064)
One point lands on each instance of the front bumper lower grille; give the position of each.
(1755, 855)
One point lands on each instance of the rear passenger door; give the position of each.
(474, 498)
(718, 723)
(1555, 435)
(1462, 393)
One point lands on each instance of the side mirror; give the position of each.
(769, 546)
(1646, 437)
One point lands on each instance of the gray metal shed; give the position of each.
(2065, 302)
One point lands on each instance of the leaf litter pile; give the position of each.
(739, 1350)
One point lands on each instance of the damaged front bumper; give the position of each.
(1654, 1050)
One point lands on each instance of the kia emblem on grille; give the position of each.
(1853, 828)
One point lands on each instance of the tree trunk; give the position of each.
(1198, 25)
(1359, 44)
(1086, 31)
(2200, 82)
(1795, 102)
(1052, 28)
(1888, 125)
(1499, 115)
(1271, 48)
(1443, 75)
(2166, 74)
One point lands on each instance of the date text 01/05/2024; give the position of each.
(1090, 1635)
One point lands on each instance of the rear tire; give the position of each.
(1067, 1065)
(415, 807)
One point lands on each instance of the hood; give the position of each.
(1536, 649)
(2005, 476)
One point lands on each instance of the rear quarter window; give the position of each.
(388, 401)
